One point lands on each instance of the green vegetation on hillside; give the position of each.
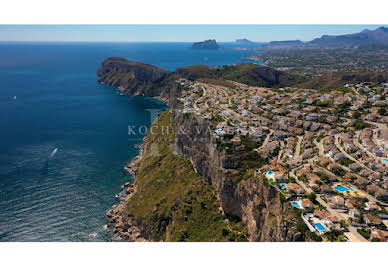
(172, 202)
(247, 73)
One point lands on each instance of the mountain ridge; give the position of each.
(378, 36)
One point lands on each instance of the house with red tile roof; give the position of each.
(321, 214)
(295, 188)
(307, 204)
(336, 202)
(379, 234)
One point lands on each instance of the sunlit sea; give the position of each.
(64, 137)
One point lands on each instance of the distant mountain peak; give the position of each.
(385, 29)
(244, 41)
(377, 36)
(284, 44)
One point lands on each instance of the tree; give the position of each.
(382, 110)
(357, 115)
(312, 196)
(181, 235)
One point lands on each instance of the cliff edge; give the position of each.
(187, 188)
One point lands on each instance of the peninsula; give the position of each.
(250, 153)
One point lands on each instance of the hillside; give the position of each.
(172, 202)
(333, 80)
(129, 75)
(250, 74)
(136, 78)
(283, 44)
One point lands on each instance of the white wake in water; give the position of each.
(53, 153)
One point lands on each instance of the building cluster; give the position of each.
(328, 151)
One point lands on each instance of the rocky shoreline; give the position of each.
(123, 226)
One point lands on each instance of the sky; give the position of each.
(172, 33)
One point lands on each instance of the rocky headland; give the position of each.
(187, 186)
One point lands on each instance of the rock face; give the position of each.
(208, 44)
(131, 77)
(257, 204)
(121, 224)
(139, 79)
(135, 78)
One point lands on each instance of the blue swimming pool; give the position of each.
(220, 133)
(283, 186)
(341, 188)
(320, 227)
(296, 205)
(386, 160)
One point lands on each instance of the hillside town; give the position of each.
(326, 151)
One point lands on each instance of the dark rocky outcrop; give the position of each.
(208, 44)
(139, 79)
(133, 78)
(244, 41)
(257, 204)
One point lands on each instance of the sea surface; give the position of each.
(64, 137)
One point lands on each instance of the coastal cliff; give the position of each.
(170, 201)
(139, 79)
(247, 198)
(187, 189)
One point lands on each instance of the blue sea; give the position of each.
(49, 99)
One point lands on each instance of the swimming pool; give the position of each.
(386, 160)
(270, 174)
(296, 205)
(283, 186)
(320, 227)
(220, 133)
(342, 188)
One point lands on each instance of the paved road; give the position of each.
(367, 195)
(321, 148)
(337, 144)
(343, 216)
(355, 91)
(265, 142)
(358, 144)
(297, 148)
